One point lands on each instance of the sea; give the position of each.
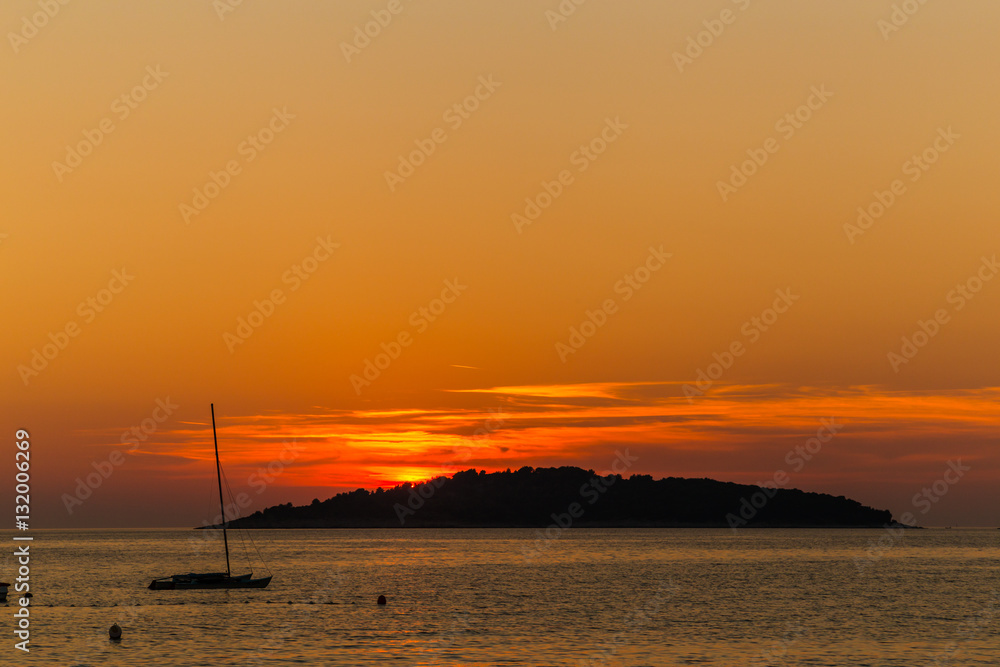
(572, 596)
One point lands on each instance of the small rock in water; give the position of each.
(381, 599)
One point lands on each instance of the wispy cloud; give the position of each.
(738, 430)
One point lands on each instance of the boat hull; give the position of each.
(180, 582)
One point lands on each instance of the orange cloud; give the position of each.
(737, 430)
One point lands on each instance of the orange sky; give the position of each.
(173, 173)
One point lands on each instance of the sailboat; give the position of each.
(225, 579)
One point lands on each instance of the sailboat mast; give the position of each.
(218, 472)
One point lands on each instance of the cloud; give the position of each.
(736, 432)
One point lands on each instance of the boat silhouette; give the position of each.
(196, 580)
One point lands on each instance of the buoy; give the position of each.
(115, 632)
(381, 599)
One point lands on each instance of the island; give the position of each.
(570, 496)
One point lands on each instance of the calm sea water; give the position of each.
(470, 597)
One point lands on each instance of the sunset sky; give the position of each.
(549, 227)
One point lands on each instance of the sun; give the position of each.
(392, 476)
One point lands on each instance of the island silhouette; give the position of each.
(570, 496)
